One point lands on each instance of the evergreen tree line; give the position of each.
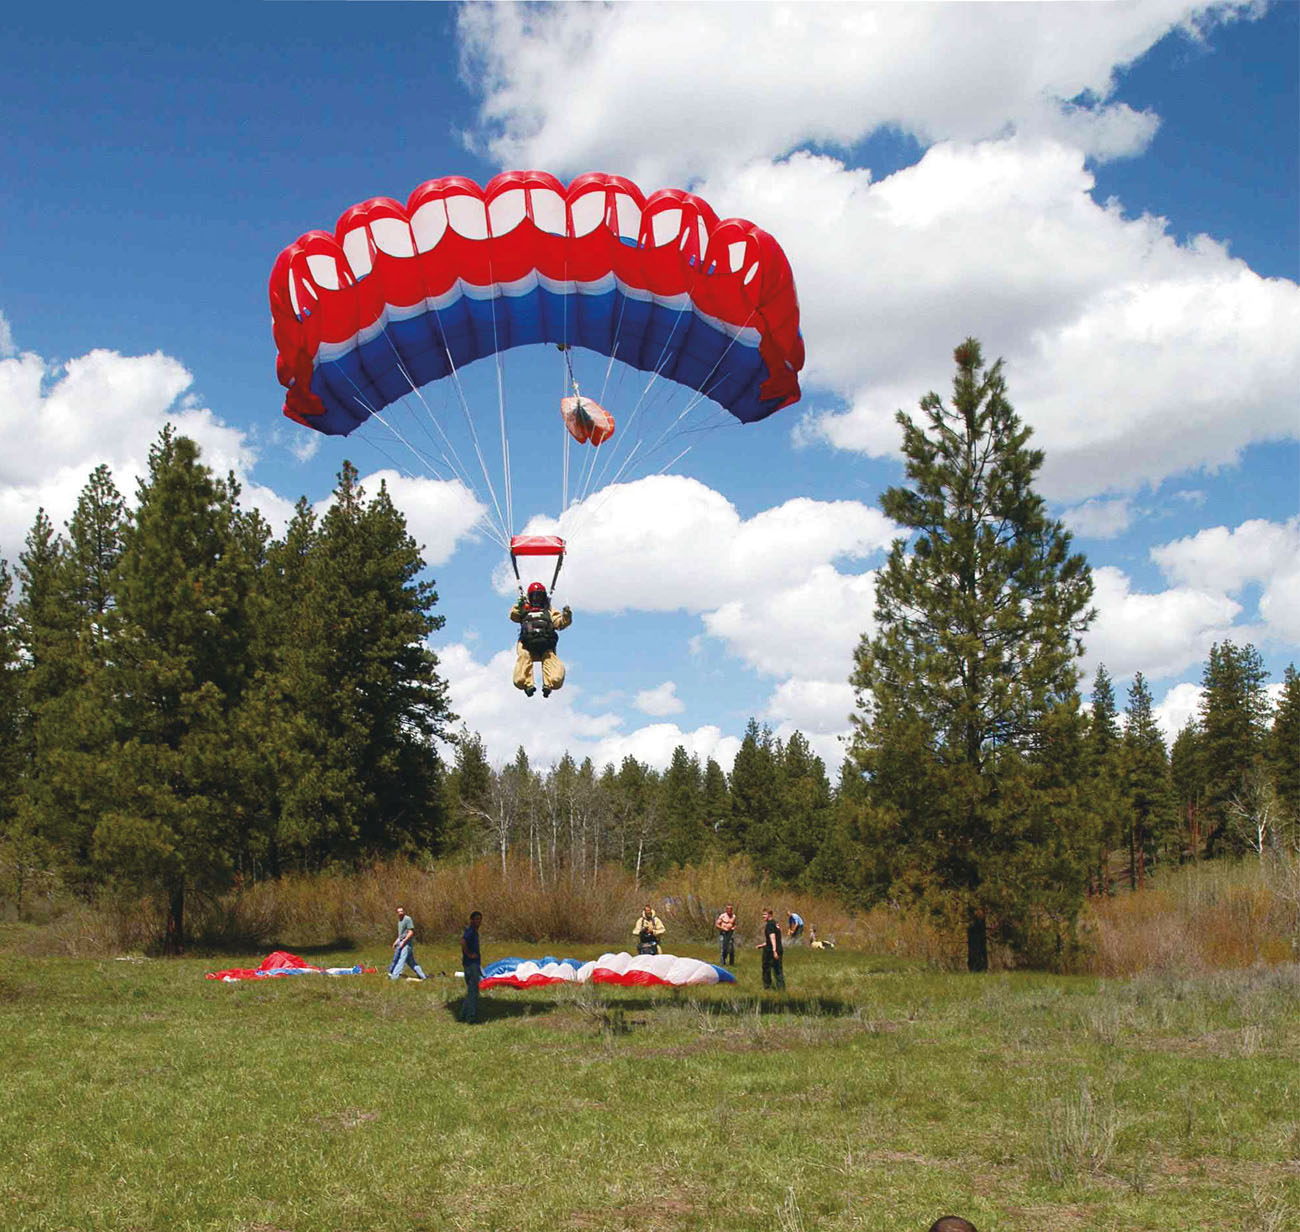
(187, 700)
(776, 808)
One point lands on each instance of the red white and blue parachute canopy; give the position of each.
(401, 295)
(667, 969)
(534, 973)
(625, 969)
(278, 963)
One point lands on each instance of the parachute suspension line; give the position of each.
(454, 463)
(564, 480)
(602, 493)
(568, 363)
(396, 465)
(588, 456)
(360, 400)
(564, 469)
(699, 395)
(645, 392)
(492, 528)
(469, 419)
(674, 462)
(501, 407)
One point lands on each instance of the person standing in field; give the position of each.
(772, 951)
(726, 926)
(647, 930)
(471, 959)
(404, 947)
(794, 926)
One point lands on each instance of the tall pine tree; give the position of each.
(1147, 786)
(1284, 754)
(1234, 736)
(972, 677)
(685, 835)
(1104, 795)
(172, 782)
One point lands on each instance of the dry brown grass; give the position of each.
(1202, 917)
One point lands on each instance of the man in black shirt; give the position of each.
(772, 952)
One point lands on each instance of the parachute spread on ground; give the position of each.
(280, 963)
(400, 296)
(665, 970)
(533, 972)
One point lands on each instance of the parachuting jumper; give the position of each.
(541, 650)
(401, 295)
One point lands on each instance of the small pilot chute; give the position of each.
(588, 422)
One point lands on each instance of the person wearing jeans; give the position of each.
(472, 960)
(726, 926)
(404, 947)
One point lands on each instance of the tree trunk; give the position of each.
(176, 919)
(977, 944)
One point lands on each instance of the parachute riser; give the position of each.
(555, 546)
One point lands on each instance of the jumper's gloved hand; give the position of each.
(568, 614)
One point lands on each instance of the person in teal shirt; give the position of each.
(404, 947)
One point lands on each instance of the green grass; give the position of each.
(872, 1095)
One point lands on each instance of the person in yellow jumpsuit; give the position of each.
(539, 627)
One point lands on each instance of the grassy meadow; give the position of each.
(877, 1093)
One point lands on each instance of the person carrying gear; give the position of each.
(647, 930)
(539, 627)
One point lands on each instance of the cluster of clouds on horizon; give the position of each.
(1181, 353)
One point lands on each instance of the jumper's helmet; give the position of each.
(537, 595)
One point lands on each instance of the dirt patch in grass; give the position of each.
(349, 1118)
(662, 1215)
(1053, 1218)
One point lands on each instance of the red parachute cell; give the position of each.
(586, 420)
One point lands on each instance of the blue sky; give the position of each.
(1106, 195)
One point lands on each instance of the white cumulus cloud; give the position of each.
(751, 81)
(1134, 357)
(59, 421)
(1226, 559)
(671, 543)
(659, 701)
(486, 701)
(1159, 634)
(439, 513)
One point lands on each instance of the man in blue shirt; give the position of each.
(472, 960)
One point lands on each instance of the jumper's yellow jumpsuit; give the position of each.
(552, 667)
